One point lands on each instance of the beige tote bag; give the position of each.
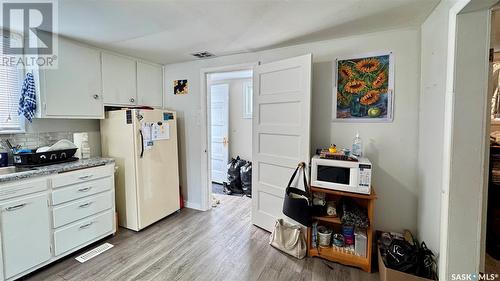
(288, 238)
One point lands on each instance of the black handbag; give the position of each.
(298, 203)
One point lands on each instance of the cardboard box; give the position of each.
(387, 274)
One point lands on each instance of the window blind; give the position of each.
(10, 91)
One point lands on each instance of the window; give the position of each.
(10, 90)
(248, 100)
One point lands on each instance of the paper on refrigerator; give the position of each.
(146, 129)
(160, 132)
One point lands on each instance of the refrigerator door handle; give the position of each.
(142, 143)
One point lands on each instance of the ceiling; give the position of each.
(169, 31)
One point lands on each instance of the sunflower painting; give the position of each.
(364, 88)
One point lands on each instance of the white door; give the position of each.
(119, 75)
(219, 112)
(149, 84)
(281, 130)
(25, 233)
(74, 88)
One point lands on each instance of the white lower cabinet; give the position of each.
(25, 233)
(48, 218)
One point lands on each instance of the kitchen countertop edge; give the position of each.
(56, 168)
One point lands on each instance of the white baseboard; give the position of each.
(192, 205)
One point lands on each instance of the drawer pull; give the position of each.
(86, 177)
(85, 189)
(85, 205)
(16, 207)
(86, 225)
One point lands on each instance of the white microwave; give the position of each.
(342, 175)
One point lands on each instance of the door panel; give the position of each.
(25, 233)
(74, 88)
(219, 112)
(119, 80)
(281, 132)
(149, 84)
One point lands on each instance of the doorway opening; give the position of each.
(229, 107)
(492, 255)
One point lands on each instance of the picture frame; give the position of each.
(363, 88)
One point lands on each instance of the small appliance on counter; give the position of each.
(81, 141)
(60, 152)
(342, 175)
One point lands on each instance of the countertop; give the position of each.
(56, 168)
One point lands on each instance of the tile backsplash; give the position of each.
(35, 140)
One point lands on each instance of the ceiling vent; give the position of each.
(203, 55)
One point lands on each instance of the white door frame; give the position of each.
(449, 127)
(206, 166)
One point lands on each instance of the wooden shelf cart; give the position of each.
(335, 254)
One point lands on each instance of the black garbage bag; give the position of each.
(402, 256)
(426, 266)
(406, 255)
(233, 184)
(246, 178)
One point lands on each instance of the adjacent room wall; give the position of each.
(392, 147)
(240, 128)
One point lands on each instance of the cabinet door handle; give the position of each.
(85, 177)
(85, 205)
(16, 207)
(85, 189)
(96, 96)
(86, 225)
(132, 100)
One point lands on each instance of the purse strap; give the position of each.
(302, 166)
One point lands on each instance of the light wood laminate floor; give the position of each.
(220, 244)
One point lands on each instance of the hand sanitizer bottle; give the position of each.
(357, 146)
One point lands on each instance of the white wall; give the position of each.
(392, 147)
(240, 129)
(62, 125)
(434, 57)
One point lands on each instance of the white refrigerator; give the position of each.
(143, 143)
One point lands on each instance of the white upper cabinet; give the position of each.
(119, 80)
(87, 79)
(149, 84)
(73, 89)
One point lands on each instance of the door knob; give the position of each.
(225, 141)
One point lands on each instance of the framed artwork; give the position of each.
(363, 90)
(180, 87)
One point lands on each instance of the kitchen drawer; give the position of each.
(80, 176)
(10, 190)
(83, 231)
(83, 208)
(80, 190)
